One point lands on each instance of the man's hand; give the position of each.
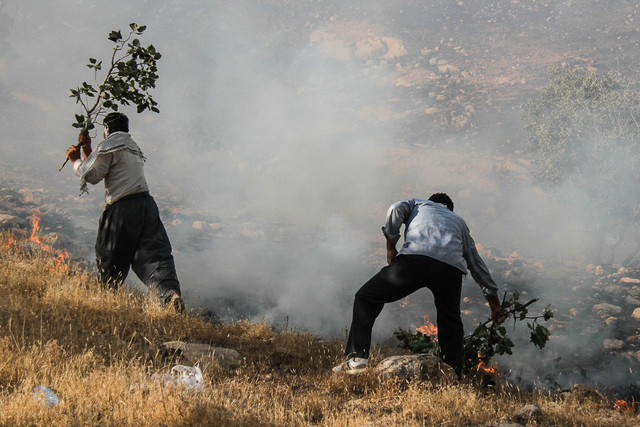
(391, 255)
(84, 139)
(85, 142)
(496, 309)
(73, 153)
(392, 252)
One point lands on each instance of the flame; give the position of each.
(11, 242)
(622, 406)
(35, 218)
(405, 302)
(61, 255)
(491, 370)
(427, 328)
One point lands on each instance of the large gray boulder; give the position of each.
(528, 413)
(418, 366)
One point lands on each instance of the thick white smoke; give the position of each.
(288, 128)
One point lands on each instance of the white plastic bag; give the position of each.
(45, 395)
(189, 377)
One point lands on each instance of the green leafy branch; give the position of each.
(489, 338)
(130, 75)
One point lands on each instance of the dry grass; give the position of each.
(98, 350)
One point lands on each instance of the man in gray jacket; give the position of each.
(130, 232)
(436, 253)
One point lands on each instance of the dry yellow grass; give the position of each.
(98, 350)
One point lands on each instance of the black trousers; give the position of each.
(131, 234)
(405, 275)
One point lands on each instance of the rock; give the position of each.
(607, 309)
(419, 366)
(225, 356)
(198, 225)
(634, 339)
(11, 221)
(636, 313)
(632, 300)
(613, 290)
(630, 280)
(630, 356)
(613, 344)
(528, 413)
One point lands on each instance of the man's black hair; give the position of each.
(442, 198)
(116, 122)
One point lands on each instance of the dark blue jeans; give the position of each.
(405, 275)
(131, 234)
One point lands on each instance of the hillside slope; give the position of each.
(98, 351)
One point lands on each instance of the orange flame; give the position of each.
(491, 370)
(35, 217)
(405, 302)
(427, 328)
(11, 242)
(622, 406)
(61, 255)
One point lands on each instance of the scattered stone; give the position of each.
(198, 225)
(630, 280)
(611, 344)
(611, 321)
(528, 413)
(606, 308)
(634, 339)
(636, 313)
(632, 300)
(225, 356)
(419, 366)
(630, 356)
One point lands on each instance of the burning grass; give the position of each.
(97, 350)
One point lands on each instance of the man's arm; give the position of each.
(482, 276)
(392, 252)
(397, 215)
(84, 141)
(496, 308)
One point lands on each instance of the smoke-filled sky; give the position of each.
(287, 128)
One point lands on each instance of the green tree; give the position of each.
(128, 77)
(585, 128)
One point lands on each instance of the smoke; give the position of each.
(288, 128)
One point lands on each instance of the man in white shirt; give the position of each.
(130, 232)
(436, 253)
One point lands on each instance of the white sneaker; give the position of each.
(352, 365)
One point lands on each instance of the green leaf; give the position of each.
(115, 36)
